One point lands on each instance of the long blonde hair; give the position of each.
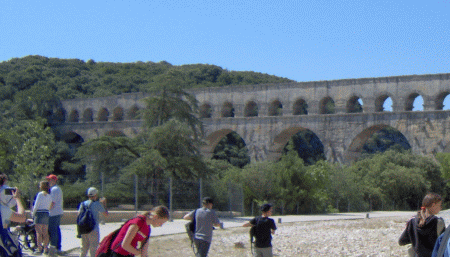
(427, 202)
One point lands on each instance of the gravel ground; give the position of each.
(359, 237)
(363, 237)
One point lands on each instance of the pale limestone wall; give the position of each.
(340, 133)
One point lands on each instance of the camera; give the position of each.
(10, 190)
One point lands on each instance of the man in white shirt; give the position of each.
(55, 216)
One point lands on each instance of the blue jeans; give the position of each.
(202, 247)
(54, 231)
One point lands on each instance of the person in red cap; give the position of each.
(55, 215)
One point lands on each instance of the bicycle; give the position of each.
(27, 235)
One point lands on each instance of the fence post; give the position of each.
(170, 198)
(103, 183)
(136, 193)
(242, 200)
(253, 203)
(201, 191)
(229, 199)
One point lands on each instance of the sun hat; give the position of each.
(92, 191)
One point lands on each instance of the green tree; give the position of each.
(396, 179)
(7, 152)
(232, 148)
(344, 188)
(387, 138)
(171, 102)
(444, 161)
(302, 185)
(167, 147)
(176, 143)
(31, 152)
(106, 155)
(307, 145)
(259, 180)
(290, 174)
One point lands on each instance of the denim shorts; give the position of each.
(41, 217)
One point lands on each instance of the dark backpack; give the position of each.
(190, 229)
(253, 234)
(104, 248)
(190, 226)
(85, 220)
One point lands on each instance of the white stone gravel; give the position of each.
(362, 237)
(358, 237)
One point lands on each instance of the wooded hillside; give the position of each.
(74, 78)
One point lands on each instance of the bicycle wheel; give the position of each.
(30, 240)
(21, 235)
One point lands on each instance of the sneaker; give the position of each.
(52, 252)
(38, 252)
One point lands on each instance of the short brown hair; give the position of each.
(161, 211)
(44, 186)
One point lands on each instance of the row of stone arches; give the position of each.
(310, 148)
(355, 104)
(326, 106)
(103, 114)
(307, 144)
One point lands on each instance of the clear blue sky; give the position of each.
(299, 40)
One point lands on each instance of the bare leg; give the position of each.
(45, 237)
(39, 235)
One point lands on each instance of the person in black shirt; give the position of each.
(263, 230)
(423, 229)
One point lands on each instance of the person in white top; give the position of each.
(7, 201)
(41, 209)
(9, 197)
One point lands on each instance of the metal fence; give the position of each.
(142, 193)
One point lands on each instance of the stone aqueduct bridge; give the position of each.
(279, 114)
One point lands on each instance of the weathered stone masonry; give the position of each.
(228, 109)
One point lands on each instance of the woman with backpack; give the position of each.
(40, 213)
(136, 231)
(423, 229)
